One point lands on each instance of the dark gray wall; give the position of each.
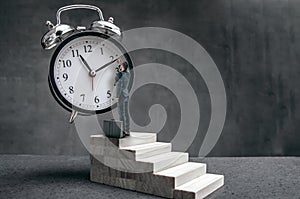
(255, 44)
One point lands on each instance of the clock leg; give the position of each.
(73, 116)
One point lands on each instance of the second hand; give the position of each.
(92, 83)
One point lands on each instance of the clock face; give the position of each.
(82, 71)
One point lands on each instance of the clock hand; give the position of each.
(92, 83)
(91, 72)
(105, 65)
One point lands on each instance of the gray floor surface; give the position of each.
(27, 176)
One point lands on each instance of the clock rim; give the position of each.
(51, 79)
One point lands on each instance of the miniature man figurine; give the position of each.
(122, 96)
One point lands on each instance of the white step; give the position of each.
(135, 138)
(166, 160)
(199, 187)
(148, 150)
(184, 173)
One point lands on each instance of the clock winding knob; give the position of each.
(49, 24)
(110, 20)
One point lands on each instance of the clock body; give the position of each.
(70, 80)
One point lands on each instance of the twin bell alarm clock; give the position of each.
(83, 65)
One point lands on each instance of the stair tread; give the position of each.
(181, 169)
(162, 157)
(199, 183)
(137, 138)
(145, 146)
(133, 134)
(140, 134)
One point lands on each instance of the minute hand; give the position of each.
(105, 65)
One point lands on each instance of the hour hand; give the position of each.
(105, 65)
(85, 63)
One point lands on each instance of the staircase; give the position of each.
(140, 163)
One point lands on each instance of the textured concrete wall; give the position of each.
(255, 44)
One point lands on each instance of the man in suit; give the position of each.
(122, 96)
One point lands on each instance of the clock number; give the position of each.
(108, 94)
(75, 53)
(101, 51)
(67, 63)
(71, 89)
(96, 100)
(83, 96)
(87, 48)
(65, 76)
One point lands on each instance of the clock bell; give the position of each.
(59, 32)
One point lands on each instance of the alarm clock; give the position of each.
(83, 66)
